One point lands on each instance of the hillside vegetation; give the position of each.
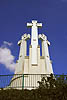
(50, 89)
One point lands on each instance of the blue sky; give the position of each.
(14, 14)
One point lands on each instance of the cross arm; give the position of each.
(39, 24)
(19, 42)
(29, 24)
(43, 38)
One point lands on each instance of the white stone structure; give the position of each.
(34, 40)
(45, 53)
(34, 63)
(23, 50)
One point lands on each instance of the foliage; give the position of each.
(53, 81)
(51, 88)
(37, 94)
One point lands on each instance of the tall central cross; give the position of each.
(34, 39)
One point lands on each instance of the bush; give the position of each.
(50, 88)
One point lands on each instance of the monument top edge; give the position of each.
(34, 21)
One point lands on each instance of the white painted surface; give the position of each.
(45, 53)
(22, 54)
(34, 63)
(34, 39)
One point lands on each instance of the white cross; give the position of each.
(34, 31)
(34, 39)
